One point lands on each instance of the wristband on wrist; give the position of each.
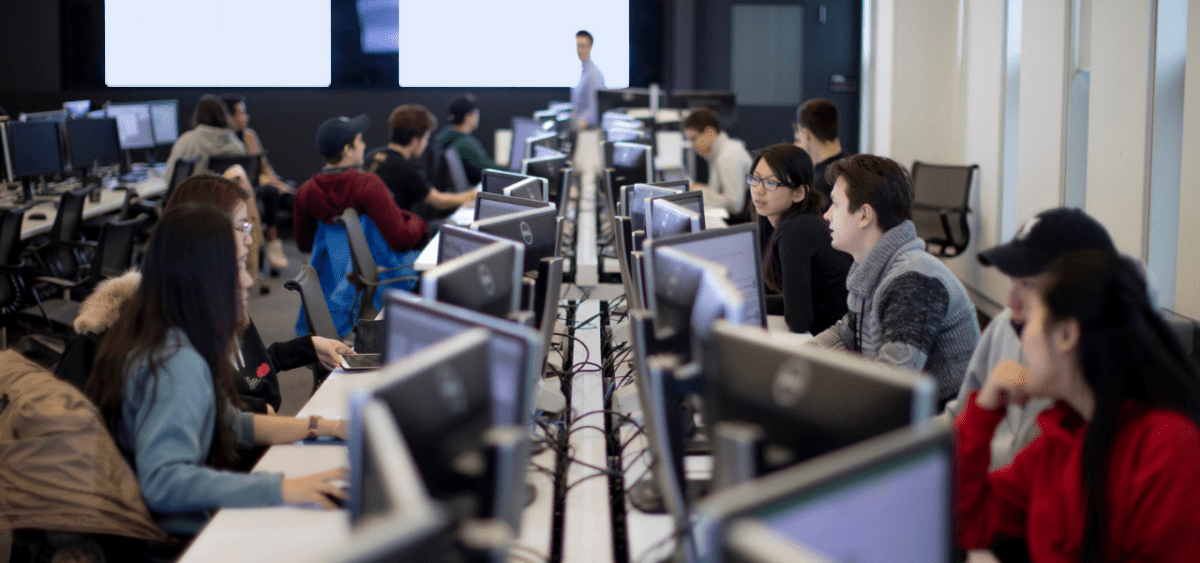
(312, 426)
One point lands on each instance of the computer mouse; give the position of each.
(36, 216)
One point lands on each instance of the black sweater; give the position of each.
(813, 274)
(258, 376)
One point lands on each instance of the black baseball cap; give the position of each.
(337, 132)
(1043, 239)
(460, 107)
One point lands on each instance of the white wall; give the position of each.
(950, 110)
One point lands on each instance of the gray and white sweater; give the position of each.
(908, 310)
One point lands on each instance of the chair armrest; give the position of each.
(400, 267)
(394, 280)
(57, 281)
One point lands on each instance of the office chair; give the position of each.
(316, 312)
(252, 164)
(941, 198)
(364, 273)
(455, 171)
(60, 254)
(184, 168)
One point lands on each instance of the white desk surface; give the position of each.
(110, 201)
(587, 524)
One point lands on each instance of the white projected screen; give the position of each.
(529, 43)
(217, 43)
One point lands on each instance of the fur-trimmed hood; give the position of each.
(101, 309)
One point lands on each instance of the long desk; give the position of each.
(110, 202)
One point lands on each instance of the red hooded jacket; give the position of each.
(1153, 486)
(326, 195)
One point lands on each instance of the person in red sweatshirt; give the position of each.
(1115, 473)
(394, 235)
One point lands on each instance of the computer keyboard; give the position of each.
(463, 215)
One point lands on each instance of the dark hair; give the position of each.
(819, 116)
(582, 33)
(461, 107)
(209, 189)
(231, 102)
(410, 121)
(879, 181)
(210, 110)
(189, 282)
(702, 118)
(793, 166)
(1127, 351)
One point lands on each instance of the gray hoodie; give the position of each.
(202, 142)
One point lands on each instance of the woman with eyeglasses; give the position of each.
(805, 273)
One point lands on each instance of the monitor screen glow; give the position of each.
(134, 125)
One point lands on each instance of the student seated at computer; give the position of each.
(807, 276)
(904, 307)
(393, 234)
(728, 164)
(1115, 473)
(258, 365)
(274, 193)
(164, 381)
(464, 120)
(410, 126)
(209, 136)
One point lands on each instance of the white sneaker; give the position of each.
(275, 254)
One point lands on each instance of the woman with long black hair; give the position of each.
(164, 381)
(800, 266)
(1115, 473)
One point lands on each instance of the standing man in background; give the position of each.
(583, 95)
(816, 130)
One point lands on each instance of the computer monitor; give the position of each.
(670, 219)
(454, 241)
(134, 124)
(93, 143)
(97, 114)
(529, 188)
(548, 291)
(440, 398)
(738, 249)
(541, 151)
(487, 280)
(35, 148)
(806, 401)
(515, 351)
(631, 163)
(164, 117)
(536, 229)
(494, 181)
(550, 168)
(489, 205)
(384, 479)
(523, 128)
(693, 200)
(544, 140)
(633, 200)
(890, 498)
(57, 116)
(77, 109)
(675, 284)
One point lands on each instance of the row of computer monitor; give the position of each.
(48, 143)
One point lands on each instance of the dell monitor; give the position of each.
(634, 201)
(454, 241)
(488, 205)
(631, 163)
(494, 181)
(890, 498)
(35, 148)
(515, 352)
(134, 124)
(529, 188)
(670, 219)
(384, 479)
(550, 168)
(487, 280)
(77, 109)
(806, 401)
(523, 129)
(735, 247)
(93, 143)
(693, 200)
(537, 229)
(164, 117)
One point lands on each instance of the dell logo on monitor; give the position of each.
(450, 387)
(486, 280)
(791, 381)
(526, 232)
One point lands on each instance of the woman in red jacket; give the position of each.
(1115, 474)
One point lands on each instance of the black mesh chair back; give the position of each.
(252, 164)
(184, 168)
(70, 216)
(941, 198)
(10, 235)
(316, 309)
(114, 250)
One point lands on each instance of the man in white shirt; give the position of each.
(728, 163)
